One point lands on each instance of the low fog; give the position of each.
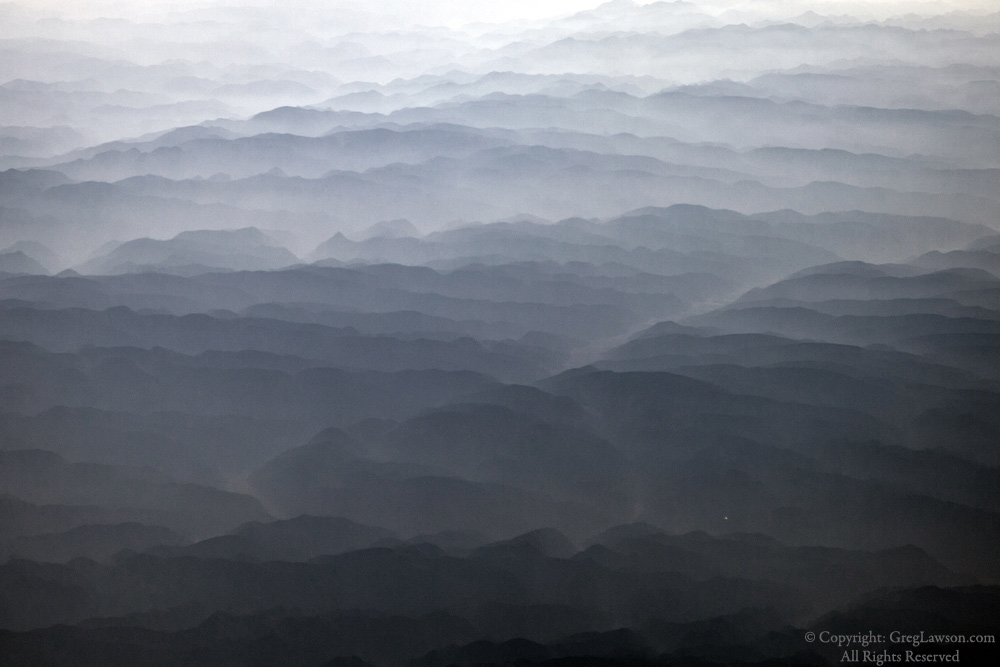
(551, 333)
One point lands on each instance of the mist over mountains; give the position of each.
(607, 334)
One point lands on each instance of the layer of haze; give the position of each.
(448, 334)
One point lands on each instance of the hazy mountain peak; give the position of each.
(19, 262)
(391, 229)
(546, 541)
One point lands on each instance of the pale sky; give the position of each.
(487, 10)
(432, 11)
